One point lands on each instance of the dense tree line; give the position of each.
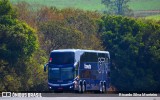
(19, 71)
(30, 47)
(135, 52)
(27, 37)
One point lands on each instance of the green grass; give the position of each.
(144, 4)
(93, 5)
(154, 17)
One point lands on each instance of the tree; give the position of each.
(134, 48)
(85, 24)
(56, 36)
(6, 8)
(118, 7)
(18, 42)
(73, 20)
(26, 13)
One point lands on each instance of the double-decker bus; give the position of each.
(78, 70)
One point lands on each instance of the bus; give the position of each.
(78, 70)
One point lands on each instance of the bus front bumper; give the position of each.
(61, 87)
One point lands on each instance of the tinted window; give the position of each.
(102, 55)
(107, 58)
(89, 57)
(60, 73)
(53, 74)
(60, 58)
(85, 73)
(67, 73)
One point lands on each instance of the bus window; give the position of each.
(60, 58)
(102, 55)
(67, 73)
(89, 57)
(107, 58)
(94, 74)
(53, 74)
(85, 73)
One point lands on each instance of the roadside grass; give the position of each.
(154, 17)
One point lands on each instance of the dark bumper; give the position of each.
(61, 87)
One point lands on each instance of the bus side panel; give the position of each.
(89, 72)
(93, 74)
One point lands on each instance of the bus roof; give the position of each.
(79, 50)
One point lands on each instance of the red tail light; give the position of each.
(50, 59)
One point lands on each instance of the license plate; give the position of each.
(60, 88)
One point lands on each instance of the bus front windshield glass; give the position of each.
(54, 74)
(61, 73)
(61, 58)
(67, 73)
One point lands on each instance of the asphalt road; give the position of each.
(77, 96)
(83, 98)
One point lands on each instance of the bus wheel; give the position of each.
(104, 88)
(80, 88)
(101, 88)
(83, 88)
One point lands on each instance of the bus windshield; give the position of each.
(61, 58)
(61, 73)
(54, 74)
(67, 73)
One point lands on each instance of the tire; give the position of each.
(83, 88)
(80, 88)
(103, 88)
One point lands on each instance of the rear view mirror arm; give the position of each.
(45, 67)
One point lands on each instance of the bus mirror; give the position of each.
(45, 67)
(76, 63)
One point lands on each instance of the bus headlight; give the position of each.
(71, 87)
